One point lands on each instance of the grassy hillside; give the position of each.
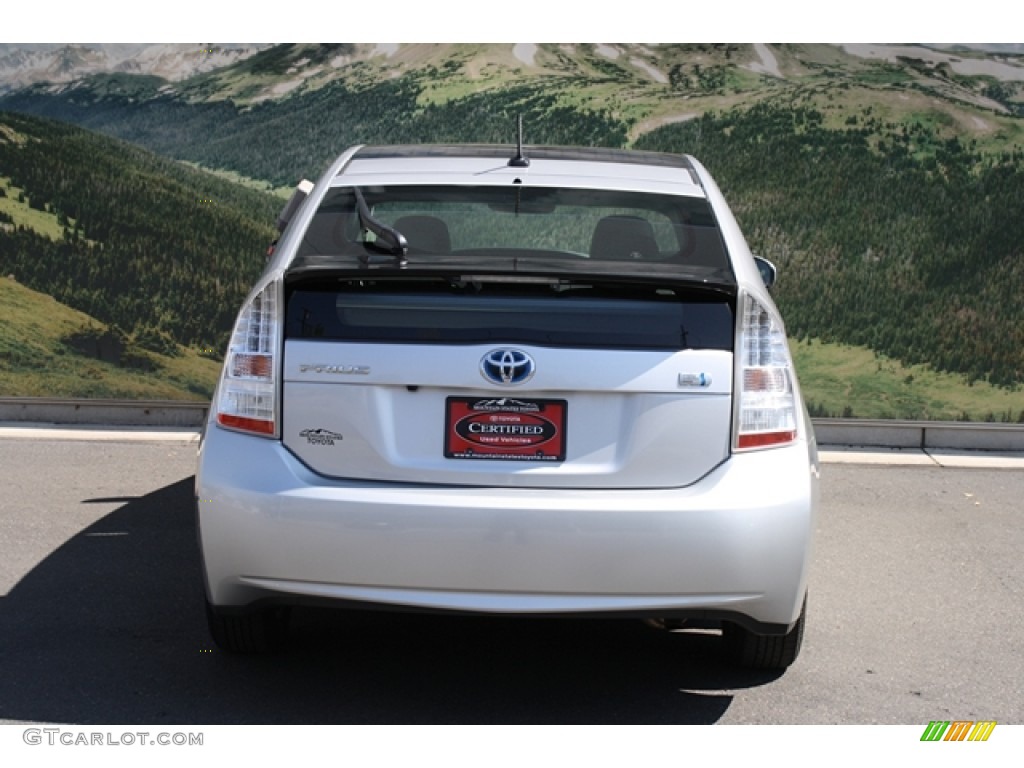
(15, 211)
(37, 361)
(840, 380)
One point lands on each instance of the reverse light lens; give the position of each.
(766, 400)
(247, 396)
(245, 366)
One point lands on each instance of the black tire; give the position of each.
(258, 630)
(755, 651)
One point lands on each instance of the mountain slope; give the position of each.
(127, 237)
(885, 237)
(283, 112)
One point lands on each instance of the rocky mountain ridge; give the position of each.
(24, 65)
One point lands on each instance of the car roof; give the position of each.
(589, 154)
(483, 164)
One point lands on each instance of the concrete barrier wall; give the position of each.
(114, 413)
(923, 435)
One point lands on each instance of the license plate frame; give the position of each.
(505, 429)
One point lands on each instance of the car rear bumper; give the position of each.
(735, 544)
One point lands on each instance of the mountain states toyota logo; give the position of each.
(320, 436)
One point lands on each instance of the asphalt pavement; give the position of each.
(914, 614)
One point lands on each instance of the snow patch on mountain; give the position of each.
(963, 65)
(645, 126)
(655, 74)
(768, 65)
(525, 52)
(280, 89)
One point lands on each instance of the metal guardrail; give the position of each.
(924, 435)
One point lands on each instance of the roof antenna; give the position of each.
(519, 161)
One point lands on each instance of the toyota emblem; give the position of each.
(507, 366)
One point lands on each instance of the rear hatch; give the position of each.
(508, 380)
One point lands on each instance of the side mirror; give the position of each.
(768, 271)
(302, 190)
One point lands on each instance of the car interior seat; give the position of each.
(621, 238)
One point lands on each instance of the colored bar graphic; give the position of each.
(982, 730)
(958, 730)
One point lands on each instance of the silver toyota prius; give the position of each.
(529, 381)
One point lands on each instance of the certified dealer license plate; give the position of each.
(505, 428)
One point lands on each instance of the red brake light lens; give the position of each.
(248, 394)
(765, 395)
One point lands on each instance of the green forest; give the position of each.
(884, 237)
(284, 141)
(144, 243)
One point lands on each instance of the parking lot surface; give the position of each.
(914, 615)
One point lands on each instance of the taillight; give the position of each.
(247, 398)
(765, 396)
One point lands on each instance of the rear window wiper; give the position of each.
(388, 239)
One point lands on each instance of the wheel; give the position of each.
(258, 630)
(764, 651)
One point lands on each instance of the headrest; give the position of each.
(621, 238)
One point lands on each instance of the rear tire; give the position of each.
(258, 630)
(749, 649)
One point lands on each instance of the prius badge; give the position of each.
(507, 366)
(335, 369)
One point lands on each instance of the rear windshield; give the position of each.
(517, 221)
